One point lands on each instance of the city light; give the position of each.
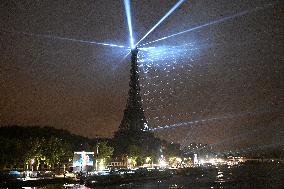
(162, 162)
(131, 162)
(148, 160)
(101, 164)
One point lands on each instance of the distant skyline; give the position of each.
(227, 77)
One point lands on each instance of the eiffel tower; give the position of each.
(134, 118)
(133, 129)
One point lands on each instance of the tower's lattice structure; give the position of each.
(134, 118)
(133, 129)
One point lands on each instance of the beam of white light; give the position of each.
(162, 19)
(67, 39)
(126, 56)
(128, 16)
(189, 123)
(221, 20)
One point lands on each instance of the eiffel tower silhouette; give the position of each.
(133, 129)
(134, 118)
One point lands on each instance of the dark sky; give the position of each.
(232, 71)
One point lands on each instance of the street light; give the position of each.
(32, 163)
(97, 154)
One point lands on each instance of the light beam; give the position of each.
(162, 19)
(221, 20)
(128, 16)
(66, 39)
(193, 122)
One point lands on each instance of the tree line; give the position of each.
(37, 146)
(23, 146)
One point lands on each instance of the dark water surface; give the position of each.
(249, 176)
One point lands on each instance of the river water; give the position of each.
(249, 176)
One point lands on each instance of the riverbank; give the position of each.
(247, 176)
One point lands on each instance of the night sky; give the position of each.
(218, 84)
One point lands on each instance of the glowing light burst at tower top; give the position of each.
(129, 22)
(150, 54)
(161, 20)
